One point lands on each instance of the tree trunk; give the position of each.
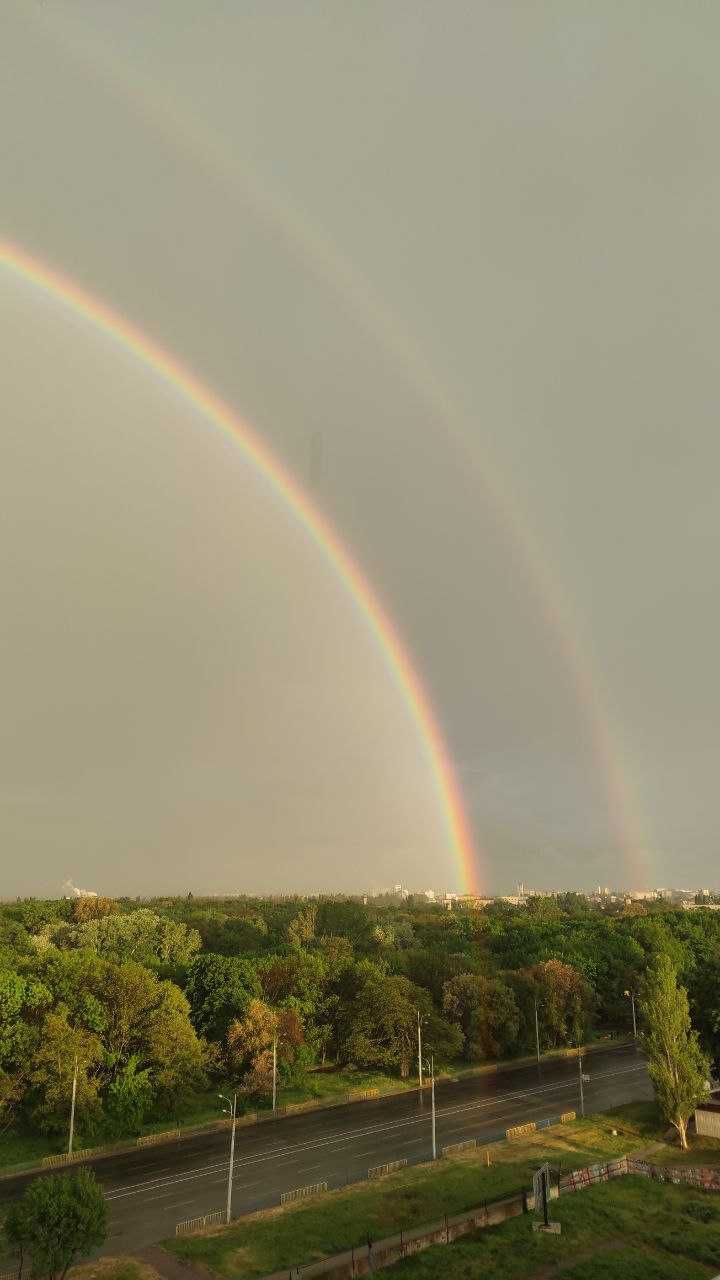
(681, 1127)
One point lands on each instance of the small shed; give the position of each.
(707, 1116)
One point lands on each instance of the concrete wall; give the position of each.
(385, 1253)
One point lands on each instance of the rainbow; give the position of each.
(560, 618)
(318, 528)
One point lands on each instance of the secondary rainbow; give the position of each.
(217, 411)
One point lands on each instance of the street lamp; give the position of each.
(274, 1074)
(537, 1034)
(230, 1110)
(71, 1135)
(430, 1067)
(631, 996)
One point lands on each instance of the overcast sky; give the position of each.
(457, 263)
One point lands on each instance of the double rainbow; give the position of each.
(316, 525)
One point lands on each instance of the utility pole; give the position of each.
(72, 1107)
(232, 1112)
(432, 1097)
(537, 1034)
(274, 1073)
(580, 1078)
(631, 994)
(419, 1055)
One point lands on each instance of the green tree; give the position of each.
(676, 1063)
(61, 1046)
(219, 989)
(486, 1012)
(58, 1220)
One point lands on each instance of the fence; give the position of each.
(362, 1095)
(521, 1130)
(456, 1148)
(701, 1177)
(303, 1193)
(151, 1139)
(54, 1162)
(380, 1170)
(212, 1219)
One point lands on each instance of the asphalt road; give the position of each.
(151, 1189)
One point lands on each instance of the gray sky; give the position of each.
(458, 265)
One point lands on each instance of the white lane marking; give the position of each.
(482, 1104)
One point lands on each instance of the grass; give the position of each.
(114, 1269)
(302, 1233)
(632, 1228)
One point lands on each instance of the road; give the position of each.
(151, 1189)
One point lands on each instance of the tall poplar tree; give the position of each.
(676, 1064)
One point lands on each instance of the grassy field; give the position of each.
(632, 1229)
(113, 1269)
(302, 1233)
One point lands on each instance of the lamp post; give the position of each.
(419, 1055)
(431, 1066)
(71, 1135)
(230, 1110)
(274, 1073)
(631, 995)
(537, 1035)
(581, 1080)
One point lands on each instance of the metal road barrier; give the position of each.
(149, 1139)
(362, 1095)
(303, 1193)
(212, 1219)
(520, 1130)
(53, 1162)
(455, 1148)
(380, 1170)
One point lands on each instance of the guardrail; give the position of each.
(54, 1162)
(521, 1130)
(456, 1148)
(362, 1095)
(380, 1170)
(153, 1139)
(303, 1193)
(212, 1219)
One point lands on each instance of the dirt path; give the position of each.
(169, 1267)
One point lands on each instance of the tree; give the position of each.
(250, 1042)
(486, 1011)
(61, 1046)
(58, 1220)
(85, 909)
(564, 1000)
(676, 1063)
(219, 989)
(142, 936)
